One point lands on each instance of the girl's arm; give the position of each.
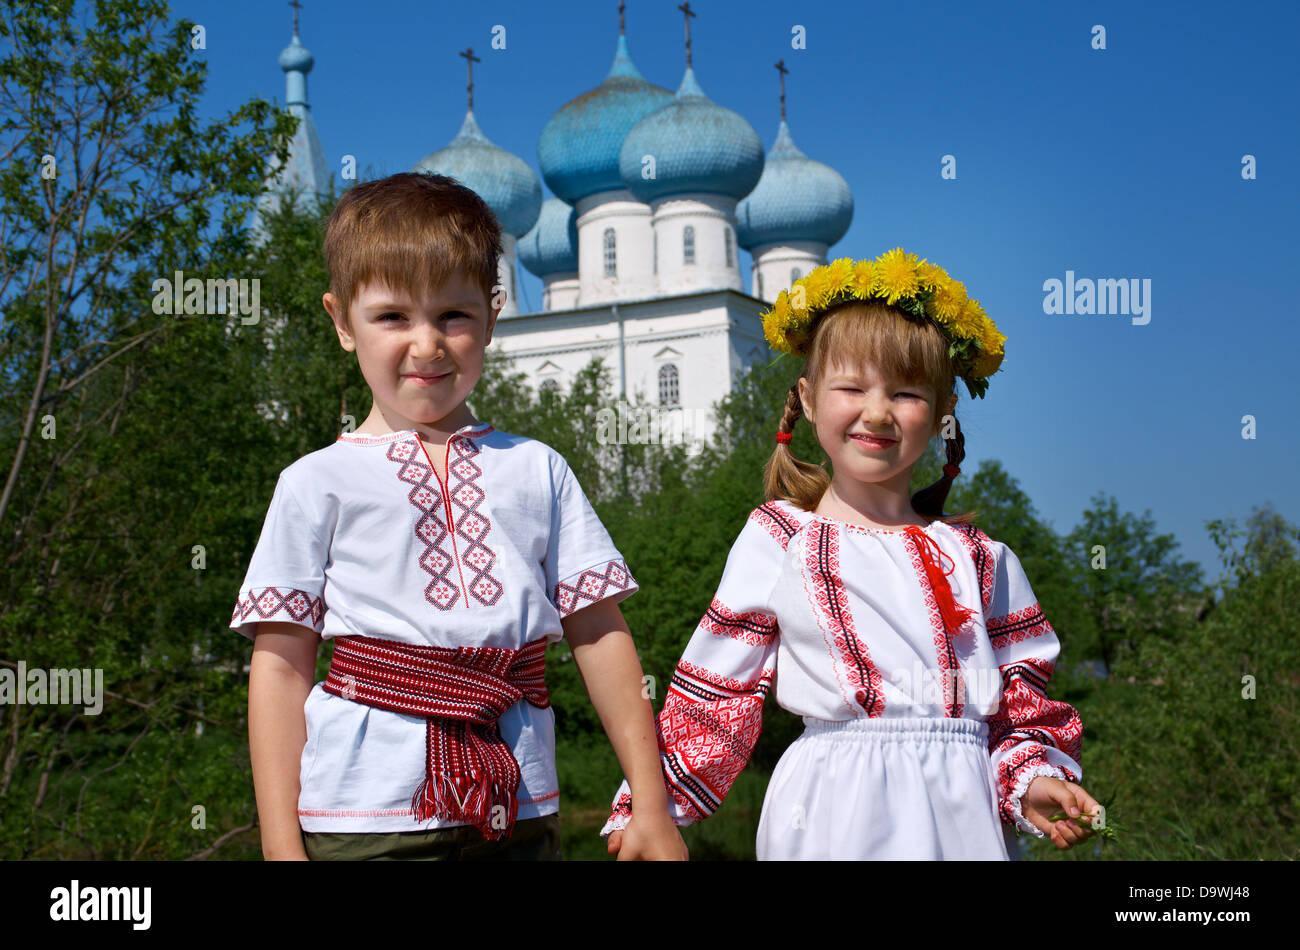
(712, 715)
(1030, 735)
(282, 672)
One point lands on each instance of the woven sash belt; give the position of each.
(469, 768)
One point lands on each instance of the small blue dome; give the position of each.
(797, 199)
(504, 181)
(697, 145)
(551, 247)
(295, 56)
(578, 152)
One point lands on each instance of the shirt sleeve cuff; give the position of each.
(1022, 785)
(609, 578)
(277, 604)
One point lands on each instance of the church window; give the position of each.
(794, 274)
(730, 255)
(760, 286)
(611, 254)
(668, 395)
(550, 386)
(688, 245)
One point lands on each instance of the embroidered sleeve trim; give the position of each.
(1010, 806)
(592, 585)
(754, 628)
(1018, 626)
(284, 604)
(775, 522)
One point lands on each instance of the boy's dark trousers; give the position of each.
(533, 839)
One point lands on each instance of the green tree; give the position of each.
(122, 425)
(1143, 587)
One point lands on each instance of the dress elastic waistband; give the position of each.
(900, 729)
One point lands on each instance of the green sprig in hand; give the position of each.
(1107, 830)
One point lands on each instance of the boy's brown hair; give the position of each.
(411, 231)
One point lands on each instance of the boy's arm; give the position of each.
(280, 678)
(607, 661)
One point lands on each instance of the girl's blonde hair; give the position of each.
(903, 348)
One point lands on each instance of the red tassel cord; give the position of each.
(954, 614)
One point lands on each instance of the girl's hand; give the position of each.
(1045, 797)
(649, 838)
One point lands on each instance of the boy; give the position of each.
(441, 556)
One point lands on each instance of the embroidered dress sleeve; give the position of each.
(1030, 735)
(713, 712)
(286, 574)
(582, 565)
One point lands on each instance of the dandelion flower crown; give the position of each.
(917, 288)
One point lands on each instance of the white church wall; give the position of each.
(712, 218)
(773, 265)
(633, 244)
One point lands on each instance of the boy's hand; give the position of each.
(649, 839)
(1046, 796)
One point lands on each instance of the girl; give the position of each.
(909, 641)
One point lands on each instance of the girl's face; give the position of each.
(854, 404)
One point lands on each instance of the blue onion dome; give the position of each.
(504, 181)
(551, 247)
(579, 148)
(797, 199)
(295, 56)
(697, 144)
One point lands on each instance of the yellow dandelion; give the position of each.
(861, 280)
(966, 322)
(839, 274)
(896, 275)
(986, 364)
(990, 339)
(948, 300)
(817, 287)
(932, 275)
(990, 349)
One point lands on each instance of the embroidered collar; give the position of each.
(472, 431)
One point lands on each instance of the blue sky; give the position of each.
(1116, 163)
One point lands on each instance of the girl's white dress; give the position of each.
(918, 741)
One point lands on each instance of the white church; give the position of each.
(654, 195)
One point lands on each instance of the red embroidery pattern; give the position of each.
(591, 586)
(707, 730)
(776, 522)
(954, 683)
(822, 568)
(754, 628)
(1020, 625)
(272, 603)
(471, 524)
(442, 590)
(980, 547)
(1026, 722)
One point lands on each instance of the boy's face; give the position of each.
(421, 358)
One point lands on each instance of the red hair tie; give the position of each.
(784, 437)
(951, 471)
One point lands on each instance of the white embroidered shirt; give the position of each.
(364, 538)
